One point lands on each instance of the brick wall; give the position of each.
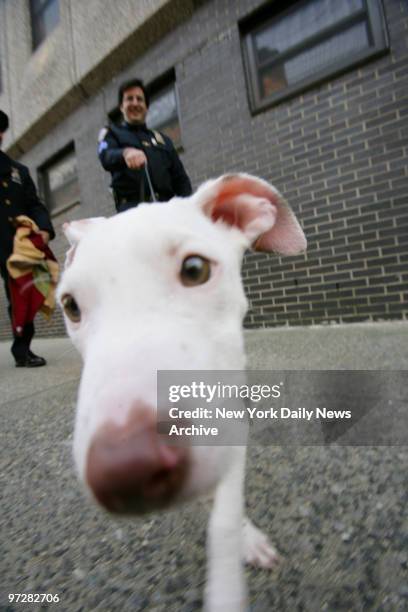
(341, 160)
(339, 154)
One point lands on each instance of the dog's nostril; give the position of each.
(154, 493)
(164, 483)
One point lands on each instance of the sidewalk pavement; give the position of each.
(353, 346)
(63, 366)
(336, 513)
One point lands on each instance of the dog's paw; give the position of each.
(257, 549)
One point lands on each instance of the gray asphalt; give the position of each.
(337, 514)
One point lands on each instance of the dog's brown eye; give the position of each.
(195, 270)
(71, 308)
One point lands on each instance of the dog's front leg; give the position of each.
(226, 588)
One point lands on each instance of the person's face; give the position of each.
(133, 105)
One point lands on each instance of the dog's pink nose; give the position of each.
(131, 470)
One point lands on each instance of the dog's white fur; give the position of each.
(137, 318)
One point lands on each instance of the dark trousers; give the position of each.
(21, 344)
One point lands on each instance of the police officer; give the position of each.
(143, 163)
(18, 196)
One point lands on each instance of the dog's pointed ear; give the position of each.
(256, 208)
(74, 231)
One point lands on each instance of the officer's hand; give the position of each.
(45, 236)
(134, 158)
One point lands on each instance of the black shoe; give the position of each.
(31, 361)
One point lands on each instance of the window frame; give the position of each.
(35, 16)
(160, 86)
(372, 13)
(44, 184)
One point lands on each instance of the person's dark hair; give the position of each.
(128, 85)
(4, 121)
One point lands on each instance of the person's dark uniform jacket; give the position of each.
(18, 196)
(130, 187)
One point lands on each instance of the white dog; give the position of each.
(158, 288)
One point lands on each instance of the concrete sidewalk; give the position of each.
(353, 346)
(63, 365)
(336, 513)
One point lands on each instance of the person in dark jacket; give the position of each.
(18, 196)
(143, 163)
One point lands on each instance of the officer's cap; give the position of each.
(4, 121)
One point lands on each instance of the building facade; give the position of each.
(311, 95)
